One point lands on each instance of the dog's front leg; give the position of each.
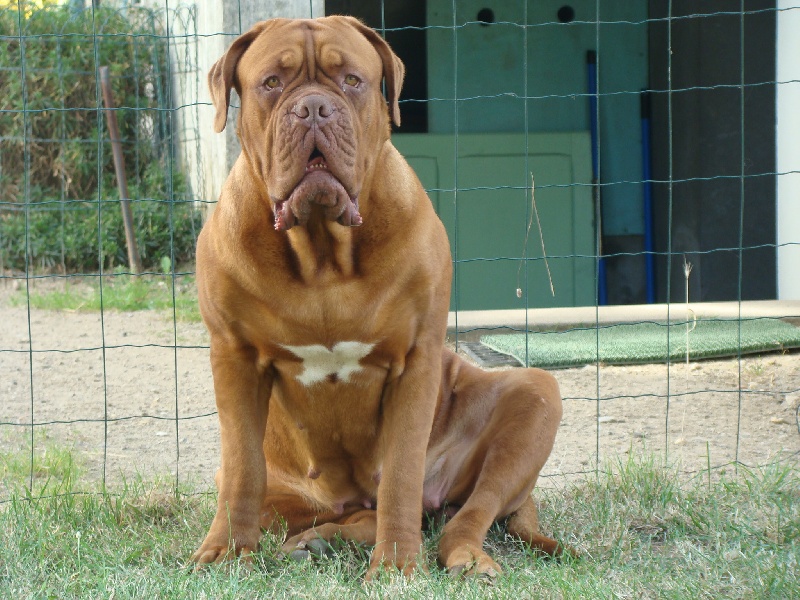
(242, 392)
(409, 403)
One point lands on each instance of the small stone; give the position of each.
(731, 555)
(780, 421)
(609, 420)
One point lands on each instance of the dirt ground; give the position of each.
(132, 392)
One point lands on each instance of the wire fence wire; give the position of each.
(130, 391)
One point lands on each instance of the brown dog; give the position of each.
(324, 280)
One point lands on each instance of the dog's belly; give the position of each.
(444, 466)
(331, 484)
(324, 424)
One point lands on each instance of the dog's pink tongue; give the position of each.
(351, 217)
(284, 218)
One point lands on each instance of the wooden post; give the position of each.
(134, 260)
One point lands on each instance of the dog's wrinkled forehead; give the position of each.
(283, 53)
(311, 48)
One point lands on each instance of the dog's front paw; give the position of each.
(468, 560)
(406, 559)
(225, 543)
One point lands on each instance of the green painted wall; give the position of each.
(488, 219)
(492, 61)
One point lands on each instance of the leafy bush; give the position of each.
(56, 161)
(66, 235)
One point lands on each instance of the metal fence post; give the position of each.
(134, 260)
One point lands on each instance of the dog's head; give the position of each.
(313, 118)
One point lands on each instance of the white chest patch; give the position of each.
(338, 363)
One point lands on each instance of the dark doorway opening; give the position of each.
(711, 115)
(402, 22)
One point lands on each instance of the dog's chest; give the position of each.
(318, 363)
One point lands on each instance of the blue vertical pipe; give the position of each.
(649, 257)
(591, 73)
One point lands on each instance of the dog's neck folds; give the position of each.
(323, 250)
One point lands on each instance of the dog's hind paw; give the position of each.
(308, 550)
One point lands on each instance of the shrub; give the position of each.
(56, 166)
(66, 236)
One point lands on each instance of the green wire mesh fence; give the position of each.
(538, 167)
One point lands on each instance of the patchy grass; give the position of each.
(49, 465)
(123, 292)
(643, 531)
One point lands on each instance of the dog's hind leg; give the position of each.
(497, 478)
(288, 513)
(524, 524)
(320, 540)
(310, 531)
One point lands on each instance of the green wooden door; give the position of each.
(480, 186)
(509, 78)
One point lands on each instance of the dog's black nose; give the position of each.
(313, 109)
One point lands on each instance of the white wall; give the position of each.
(219, 21)
(202, 30)
(788, 148)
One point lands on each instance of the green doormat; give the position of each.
(633, 343)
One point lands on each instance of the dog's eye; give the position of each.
(352, 80)
(272, 82)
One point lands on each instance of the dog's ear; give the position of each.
(221, 77)
(393, 69)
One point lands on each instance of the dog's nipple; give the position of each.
(313, 472)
